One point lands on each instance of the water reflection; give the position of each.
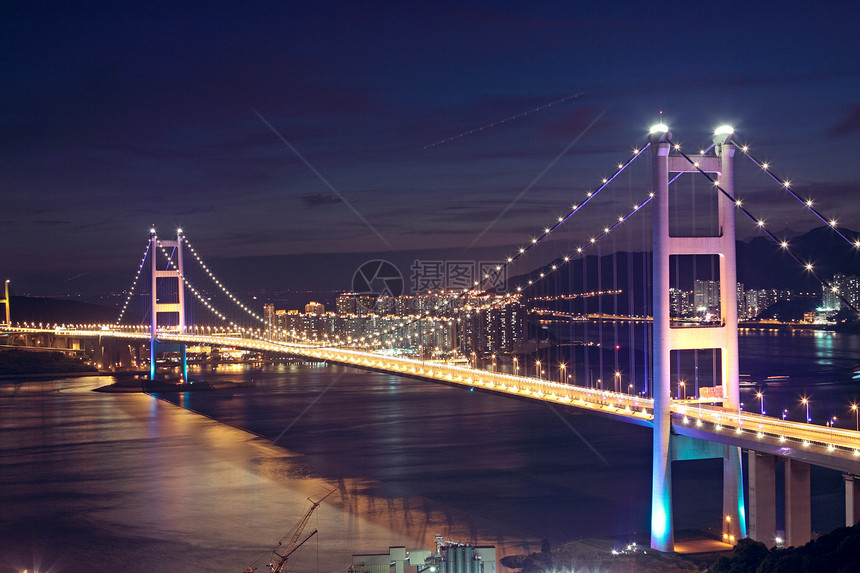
(133, 482)
(201, 492)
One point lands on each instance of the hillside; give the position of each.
(59, 311)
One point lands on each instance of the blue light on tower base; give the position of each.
(659, 527)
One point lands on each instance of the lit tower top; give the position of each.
(659, 132)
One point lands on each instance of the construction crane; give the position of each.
(277, 565)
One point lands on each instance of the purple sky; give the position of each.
(119, 116)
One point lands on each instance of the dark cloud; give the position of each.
(579, 121)
(51, 222)
(850, 124)
(312, 200)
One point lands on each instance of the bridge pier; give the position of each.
(113, 354)
(734, 513)
(852, 499)
(798, 505)
(762, 497)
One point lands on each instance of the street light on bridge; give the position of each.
(760, 396)
(830, 423)
(805, 402)
(561, 368)
(856, 417)
(537, 368)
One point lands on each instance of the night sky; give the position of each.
(307, 128)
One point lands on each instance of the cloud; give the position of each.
(850, 124)
(51, 222)
(312, 200)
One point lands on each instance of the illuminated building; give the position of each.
(314, 308)
(269, 320)
(706, 296)
(345, 304)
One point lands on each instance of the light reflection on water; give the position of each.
(145, 486)
(133, 479)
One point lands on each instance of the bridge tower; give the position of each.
(5, 302)
(666, 339)
(177, 272)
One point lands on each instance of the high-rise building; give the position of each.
(841, 287)
(679, 302)
(404, 305)
(493, 329)
(280, 330)
(751, 303)
(706, 296)
(269, 320)
(314, 307)
(345, 304)
(742, 314)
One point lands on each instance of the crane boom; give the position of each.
(284, 558)
(292, 545)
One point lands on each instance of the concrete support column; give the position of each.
(798, 510)
(728, 272)
(762, 476)
(733, 495)
(662, 535)
(852, 499)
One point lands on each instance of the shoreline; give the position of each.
(38, 375)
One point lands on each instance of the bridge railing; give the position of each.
(758, 427)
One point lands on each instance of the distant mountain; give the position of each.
(764, 264)
(59, 311)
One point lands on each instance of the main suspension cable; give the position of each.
(807, 203)
(133, 285)
(760, 224)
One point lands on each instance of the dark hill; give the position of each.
(835, 552)
(764, 264)
(58, 311)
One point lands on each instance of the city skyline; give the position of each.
(322, 133)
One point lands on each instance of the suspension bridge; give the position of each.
(711, 425)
